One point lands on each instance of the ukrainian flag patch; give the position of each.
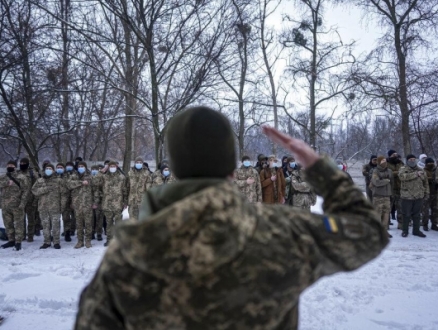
(330, 225)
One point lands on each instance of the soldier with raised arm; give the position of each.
(202, 257)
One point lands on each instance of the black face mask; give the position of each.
(24, 167)
(10, 169)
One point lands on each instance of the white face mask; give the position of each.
(340, 166)
(113, 169)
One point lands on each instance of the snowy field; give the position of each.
(39, 289)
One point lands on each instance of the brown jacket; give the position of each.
(273, 192)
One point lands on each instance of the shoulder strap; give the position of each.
(13, 179)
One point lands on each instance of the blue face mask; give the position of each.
(292, 164)
(69, 168)
(138, 166)
(81, 170)
(48, 172)
(94, 172)
(246, 163)
(59, 170)
(166, 173)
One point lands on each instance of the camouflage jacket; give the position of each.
(395, 168)
(14, 196)
(32, 175)
(52, 194)
(299, 193)
(383, 181)
(67, 200)
(252, 192)
(413, 186)
(202, 257)
(431, 179)
(111, 191)
(159, 179)
(139, 181)
(82, 196)
(367, 170)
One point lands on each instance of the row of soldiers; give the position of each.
(84, 198)
(407, 192)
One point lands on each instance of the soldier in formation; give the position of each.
(247, 179)
(429, 211)
(139, 181)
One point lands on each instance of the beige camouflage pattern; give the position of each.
(112, 191)
(430, 208)
(51, 222)
(13, 202)
(413, 185)
(112, 219)
(159, 179)
(252, 192)
(82, 197)
(30, 209)
(299, 193)
(139, 182)
(208, 259)
(383, 208)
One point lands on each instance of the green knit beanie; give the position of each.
(200, 142)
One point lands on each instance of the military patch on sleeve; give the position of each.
(330, 225)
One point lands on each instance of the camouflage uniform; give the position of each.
(367, 170)
(395, 167)
(252, 192)
(202, 257)
(97, 212)
(431, 202)
(13, 202)
(82, 197)
(300, 194)
(413, 189)
(68, 214)
(112, 189)
(30, 209)
(139, 182)
(382, 180)
(52, 194)
(159, 179)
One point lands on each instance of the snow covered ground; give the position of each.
(39, 289)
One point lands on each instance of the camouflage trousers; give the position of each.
(30, 212)
(430, 211)
(383, 207)
(51, 226)
(69, 220)
(112, 218)
(369, 192)
(84, 221)
(134, 212)
(98, 221)
(13, 220)
(396, 202)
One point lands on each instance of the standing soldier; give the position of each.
(382, 181)
(430, 204)
(414, 188)
(66, 207)
(31, 205)
(395, 164)
(273, 183)
(139, 180)
(247, 180)
(15, 194)
(112, 188)
(164, 176)
(68, 214)
(302, 194)
(51, 193)
(367, 172)
(262, 163)
(97, 212)
(81, 187)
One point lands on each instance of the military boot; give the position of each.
(17, 246)
(67, 236)
(434, 227)
(99, 237)
(30, 239)
(400, 226)
(88, 244)
(8, 245)
(37, 232)
(106, 243)
(426, 228)
(45, 246)
(79, 244)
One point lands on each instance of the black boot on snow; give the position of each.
(8, 245)
(67, 236)
(17, 246)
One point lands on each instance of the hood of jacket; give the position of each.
(188, 229)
